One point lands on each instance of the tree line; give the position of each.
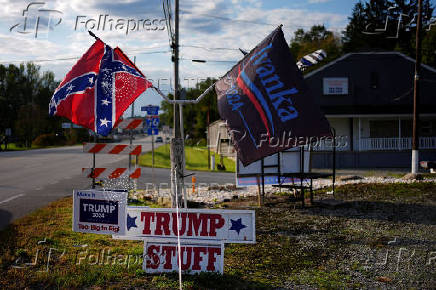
(25, 93)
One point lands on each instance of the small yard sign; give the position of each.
(99, 212)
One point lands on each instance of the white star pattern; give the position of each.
(103, 122)
(70, 88)
(91, 80)
(105, 85)
(52, 103)
(105, 102)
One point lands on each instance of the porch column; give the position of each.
(399, 133)
(359, 135)
(351, 144)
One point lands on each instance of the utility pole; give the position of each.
(416, 91)
(176, 141)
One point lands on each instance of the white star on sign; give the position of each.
(103, 122)
(105, 102)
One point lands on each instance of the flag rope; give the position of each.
(178, 231)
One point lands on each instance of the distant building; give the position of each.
(368, 99)
(219, 139)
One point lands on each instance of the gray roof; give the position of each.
(379, 83)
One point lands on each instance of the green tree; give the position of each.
(375, 25)
(195, 115)
(429, 48)
(24, 96)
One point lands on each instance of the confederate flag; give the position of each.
(98, 89)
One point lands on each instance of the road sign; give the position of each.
(99, 212)
(229, 226)
(163, 257)
(151, 110)
(152, 131)
(67, 125)
(152, 121)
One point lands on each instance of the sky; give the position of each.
(211, 30)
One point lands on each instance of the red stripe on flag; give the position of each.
(97, 148)
(117, 172)
(136, 173)
(136, 151)
(117, 149)
(135, 123)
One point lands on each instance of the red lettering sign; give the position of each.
(163, 257)
(230, 226)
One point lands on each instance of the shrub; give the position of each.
(50, 139)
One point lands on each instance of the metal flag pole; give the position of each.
(176, 142)
(93, 163)
(416, 91)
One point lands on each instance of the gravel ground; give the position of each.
(220, 193)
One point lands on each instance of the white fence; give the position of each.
(368, 144)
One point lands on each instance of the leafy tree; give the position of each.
(376, 25)
(194, 116)
(24, 97)
(429, 48)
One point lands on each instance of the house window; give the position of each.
(335, 86)
(383, 128)
(426, 129)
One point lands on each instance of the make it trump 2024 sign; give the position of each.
(99, 212)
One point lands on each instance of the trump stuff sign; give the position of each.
(164, 257)
(228, 226)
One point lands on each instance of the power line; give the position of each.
(230, 19)
(210, 60)
(66, 58)
(211, 48)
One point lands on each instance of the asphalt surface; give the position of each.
(32, 179)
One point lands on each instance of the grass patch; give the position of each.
(312, 247)
(196, 159)
(15, 147)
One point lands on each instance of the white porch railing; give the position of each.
(367, 144)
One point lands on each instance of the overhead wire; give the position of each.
(230, 19)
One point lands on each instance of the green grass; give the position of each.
(15, 147)
(196, 158)
(295, 247)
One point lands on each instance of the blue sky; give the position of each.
(205, 26)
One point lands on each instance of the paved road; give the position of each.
(31, 179)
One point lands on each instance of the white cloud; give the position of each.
(318, 1)
(206, 23)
